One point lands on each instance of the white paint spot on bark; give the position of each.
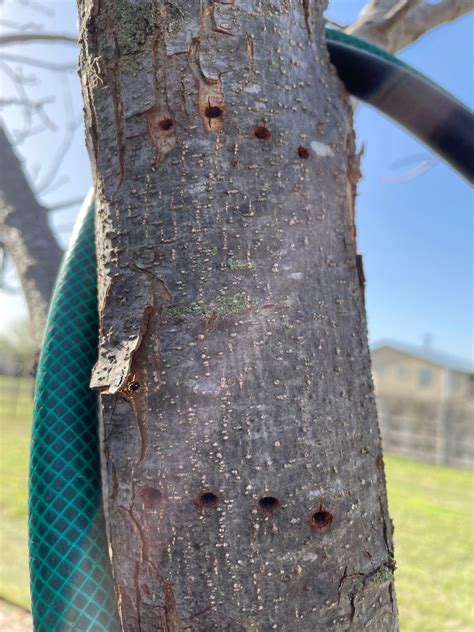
(320, 149)
(253, 89)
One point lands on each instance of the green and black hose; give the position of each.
(70, 571)
(419, 105)
(70, 575)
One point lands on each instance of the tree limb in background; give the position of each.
(76, 201)
(22, 38)
(394, 24)
(28, 237)
(38, 63)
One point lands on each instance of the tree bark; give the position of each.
(243, 472)
(394, 24)
(28, 237)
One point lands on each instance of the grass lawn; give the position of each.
(15, 426)
(431, 507)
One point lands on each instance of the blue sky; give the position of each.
(415, 233)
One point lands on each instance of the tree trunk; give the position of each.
(243, 472)
(28, 237)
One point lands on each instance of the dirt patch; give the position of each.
(14, 619)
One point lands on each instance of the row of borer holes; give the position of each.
(263, 133)
(152, 499)
(214, 112)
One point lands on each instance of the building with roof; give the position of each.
(425, 402)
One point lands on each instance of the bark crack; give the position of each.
(159, 118)
(251, 59)
(307, 17)
(386, 537)
(145, 362)
(210, 95)
(170, 618)
(113, 80)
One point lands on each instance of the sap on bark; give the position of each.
(131, 386)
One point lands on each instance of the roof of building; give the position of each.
(439, 358)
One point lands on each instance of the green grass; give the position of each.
(431, 507)
(432, 510)
(15, 427)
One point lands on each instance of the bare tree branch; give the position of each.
(23, 96)
(394, 24)
(38, 63)
(430, 15)
(77, 201)
(17, 26)
(399, 11)
(18, 38)
(25, 102)
(27, 236)
(37, 6)
(50, 178)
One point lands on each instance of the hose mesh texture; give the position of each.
(70, 574)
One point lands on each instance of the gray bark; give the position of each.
(243, 472)
(28, 237)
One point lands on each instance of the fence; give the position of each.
(422, 431)
(16, 397)
(441, 433)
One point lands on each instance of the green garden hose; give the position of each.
(70, 575)
(419, 105)
(70, 572)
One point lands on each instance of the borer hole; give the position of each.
(303, 152)
(268, 504)
(152, 498)
(321, 519)
(207, 500)
(261, 132)
(134, 386)
(213, 111)
(166, 124)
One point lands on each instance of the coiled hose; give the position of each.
(70, 572)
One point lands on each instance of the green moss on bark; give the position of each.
(134, 24)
